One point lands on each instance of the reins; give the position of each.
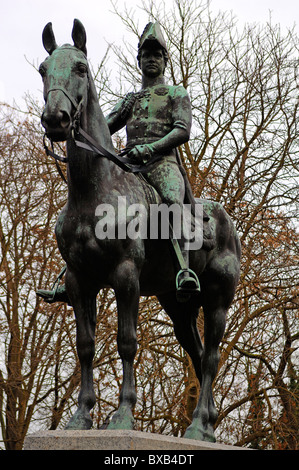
(91, 145)
(56, 157)
(123, 162)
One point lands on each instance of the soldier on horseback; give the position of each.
(157, 120)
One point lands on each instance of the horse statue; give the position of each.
(132, 267)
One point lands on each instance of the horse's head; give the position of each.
(65, 77)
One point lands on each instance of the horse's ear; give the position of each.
(79, 36)
(49, 39)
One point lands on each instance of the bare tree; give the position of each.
(243, 85)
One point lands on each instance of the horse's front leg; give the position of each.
(84, 305)
(126, 286)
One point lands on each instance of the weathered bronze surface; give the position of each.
(133, 267)
(158, 119)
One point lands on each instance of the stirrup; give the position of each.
(187, 284)
(56, 294)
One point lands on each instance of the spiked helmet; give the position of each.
(152, 36)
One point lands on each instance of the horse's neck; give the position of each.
(88, 174)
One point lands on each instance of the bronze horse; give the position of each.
(131, 267)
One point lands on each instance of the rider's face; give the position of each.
(152, 62)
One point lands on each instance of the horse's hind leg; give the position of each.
(126, 287)
(184, 318)
(85, 312)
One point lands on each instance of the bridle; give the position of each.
(74, 126)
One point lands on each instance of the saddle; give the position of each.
(208, 239)
(152, 197)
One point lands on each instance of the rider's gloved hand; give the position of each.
(140, 153)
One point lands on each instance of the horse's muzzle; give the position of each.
(57, 125)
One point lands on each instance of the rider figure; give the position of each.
(158, 120)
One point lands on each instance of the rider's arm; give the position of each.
(114, 119)
(117, 119)
(182, 120)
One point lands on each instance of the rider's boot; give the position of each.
(57, 293)
(54, 295)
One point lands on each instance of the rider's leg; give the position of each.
(167, 179)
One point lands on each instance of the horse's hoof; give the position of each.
(122, 419)
(195, 432)
(80, 421)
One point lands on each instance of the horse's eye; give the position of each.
(82, 69)
(42, 70)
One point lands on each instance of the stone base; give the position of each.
(115, 440)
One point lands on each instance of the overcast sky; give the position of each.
(22, 22)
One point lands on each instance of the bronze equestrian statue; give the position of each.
(157, 119)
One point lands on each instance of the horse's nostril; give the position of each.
(65, 119)
(46, 120)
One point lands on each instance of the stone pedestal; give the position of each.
(116, 441)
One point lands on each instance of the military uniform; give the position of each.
(154, 113)
(158, 120)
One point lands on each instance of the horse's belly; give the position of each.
(158, 271)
